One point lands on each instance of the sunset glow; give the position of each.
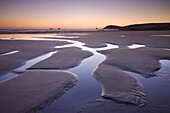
(81, 13)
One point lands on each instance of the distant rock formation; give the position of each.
(140, 27)
(112, 27)
(51, 28)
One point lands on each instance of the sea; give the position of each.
(50, 30)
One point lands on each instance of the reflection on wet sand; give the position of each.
(137, 58)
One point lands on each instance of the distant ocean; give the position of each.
(50, 30)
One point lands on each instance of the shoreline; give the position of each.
(144, 60)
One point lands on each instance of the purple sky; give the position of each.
(81, 13)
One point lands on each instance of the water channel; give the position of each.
(88, 89)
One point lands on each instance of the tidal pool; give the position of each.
(9, 53)
(86, 88)
(134, 46)
(29, 63)
(164, 72)
(156, 89)
(87, 91)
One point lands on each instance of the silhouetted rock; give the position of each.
(143, 27)
(112, 27)
(50, 28)
(148, 26)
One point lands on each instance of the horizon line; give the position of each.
(80, 27)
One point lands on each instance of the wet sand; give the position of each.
(33, 90)
(64, 59)
(129, 38)
(144, 61)
(119, 86)
(27, 50)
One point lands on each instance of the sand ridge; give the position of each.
(33, 90)
(144, 61)
(27, 50)
(119, 86)
(130, 37)
(64, 59)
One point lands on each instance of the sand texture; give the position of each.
(63, 59)
(129, 38)
(33, 90)
(27, 50)
(144, 61)
(39, 85)
(95, 45)
(119, 86)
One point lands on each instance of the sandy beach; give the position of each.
(129, 38)
(144, 61)
(119, 86)
(27, 50)
(84, 56)
(66, 58)
(33, 90)
(45, 80)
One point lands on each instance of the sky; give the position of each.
(81, 13)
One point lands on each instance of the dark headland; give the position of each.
(139, 27)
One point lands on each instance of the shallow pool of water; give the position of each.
(48, 36)
(156, 89)
(9, 53)
(134, 46)
(86, 88)
(29, 63)
(164, 72)
(161, 35)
